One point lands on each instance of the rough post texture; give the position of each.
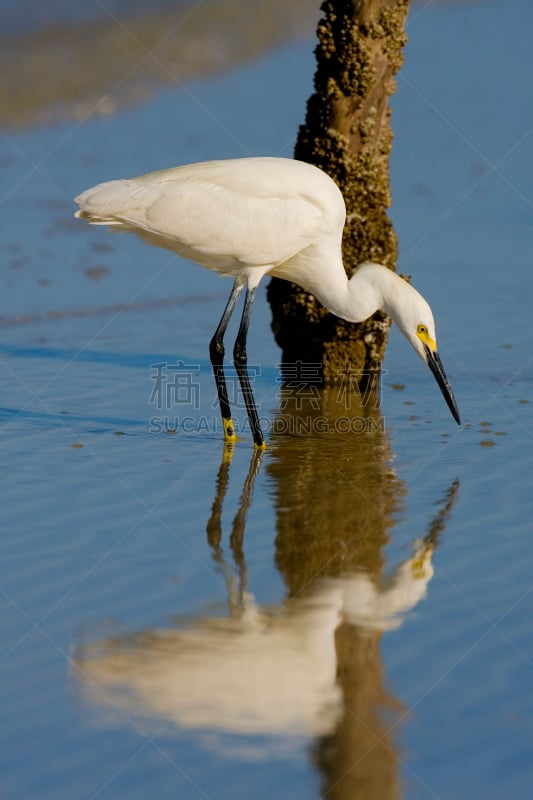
(347, 133)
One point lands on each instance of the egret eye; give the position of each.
(421, 329)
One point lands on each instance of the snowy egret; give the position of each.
(251, 217)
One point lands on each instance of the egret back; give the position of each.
(231, 216)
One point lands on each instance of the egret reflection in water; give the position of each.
(257, 671)
(308, 668)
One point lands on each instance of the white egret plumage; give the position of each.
(251, 217)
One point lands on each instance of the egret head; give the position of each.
(414, 317)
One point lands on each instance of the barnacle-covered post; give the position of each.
(347, 133)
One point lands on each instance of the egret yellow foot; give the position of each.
(230, 437)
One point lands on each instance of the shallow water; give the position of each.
(347, 615)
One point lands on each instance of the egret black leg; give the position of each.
(216, 353)
(240, 359)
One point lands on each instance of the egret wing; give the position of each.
(251, 212)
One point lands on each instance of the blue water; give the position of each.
(350, 615)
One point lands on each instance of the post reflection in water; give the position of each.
(337, 497)
(309, 669)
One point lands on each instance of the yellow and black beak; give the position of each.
(435, 365)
